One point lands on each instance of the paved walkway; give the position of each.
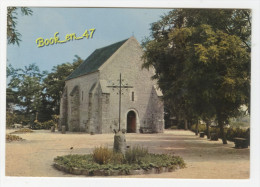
(205, 159)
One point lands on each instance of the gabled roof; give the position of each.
(95, 60)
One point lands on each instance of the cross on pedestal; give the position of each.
(120, 87)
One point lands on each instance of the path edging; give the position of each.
(77, 171)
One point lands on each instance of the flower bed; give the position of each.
(131, 164)
(10, 138)
(21, 131)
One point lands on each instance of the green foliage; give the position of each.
(11, 138)
(79, 161)
(202, 62)
(231, 132)
(105, 159)
(10, 119)
(24, 130)
(13, 36)
(43, 125)
(160, 160)
(102, 155)
(134, 154)
(27, 85)
(201, 128)
(240, 124)
(37, 94)
(11, 97)
(145, 162)
(55, 81)
(237, 133)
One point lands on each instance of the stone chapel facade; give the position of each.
(89, 103)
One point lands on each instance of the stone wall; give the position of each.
(74, 123)
(127, 61)
(85, 83)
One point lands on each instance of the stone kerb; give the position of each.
(77, 171)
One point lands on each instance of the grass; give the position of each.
(11, 138)
(135, 159)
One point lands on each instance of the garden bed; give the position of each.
(10, 138)
(22, 131)
(132, 163)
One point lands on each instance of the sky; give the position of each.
(111, 25)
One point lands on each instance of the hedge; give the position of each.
(231, 132)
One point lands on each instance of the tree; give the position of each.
(13, 36)
(55, 81)
(26, 84)
(202, 62)
(11, 99)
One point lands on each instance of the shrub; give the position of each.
(201, 128)
(10, 138)
(134, 154)
(43, 125)
(48, 124)
(102, 155)
(12, 118)
(23, 131)
(231, 132)
(237, 132)
(117, 158)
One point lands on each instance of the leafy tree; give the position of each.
(26, 84)
(37, 94)
(11, 99)
(202, 62)
(13, 36)
(55, 81)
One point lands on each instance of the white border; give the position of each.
(255, 101)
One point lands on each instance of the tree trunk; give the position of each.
(222, 132)
(196, 130)
(36, 116)
(208, 134)
(186, 124)
(189, 124)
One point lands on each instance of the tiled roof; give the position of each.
(95, 60)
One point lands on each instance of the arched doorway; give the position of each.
(131, 122)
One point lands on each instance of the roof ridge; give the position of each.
(113, 44)
(96, 59)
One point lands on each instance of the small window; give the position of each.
(133, 96)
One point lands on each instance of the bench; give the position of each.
(240, 142)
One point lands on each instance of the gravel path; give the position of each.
(205, 159)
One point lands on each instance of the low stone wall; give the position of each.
(77, 171)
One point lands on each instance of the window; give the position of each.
(133, 96)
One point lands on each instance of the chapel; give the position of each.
(90, 100)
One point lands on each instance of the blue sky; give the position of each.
(111, 24)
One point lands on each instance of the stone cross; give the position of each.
(120, 87)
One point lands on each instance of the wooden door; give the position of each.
(131, 122)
